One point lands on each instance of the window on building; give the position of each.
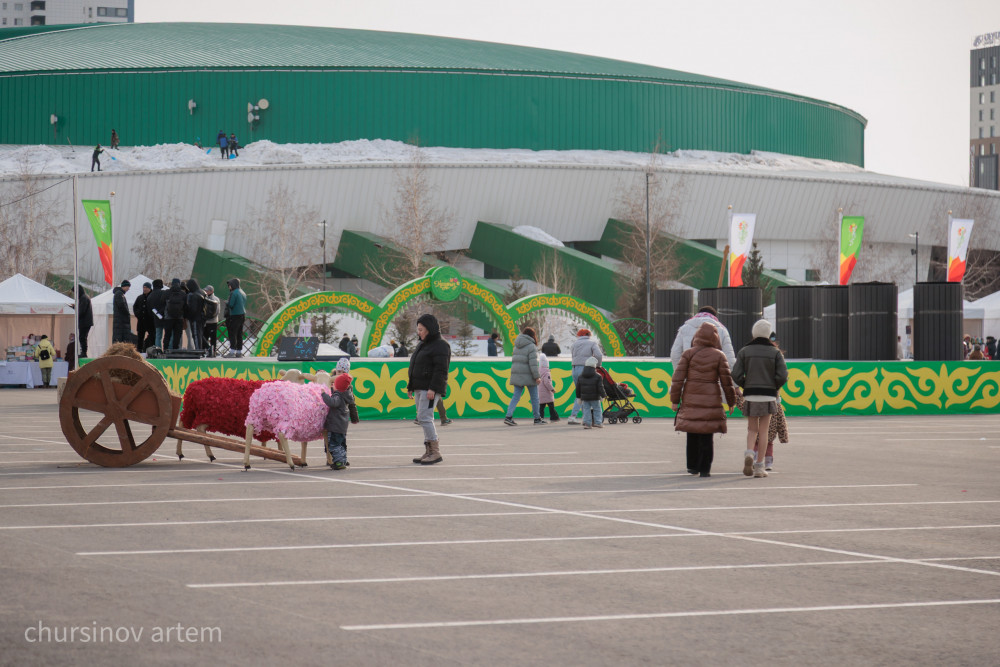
(4, 21)
(121, 12)
(982, 62)
(102, 11)
(18, 21)
(993, 78)
(993, 113)
(993, 130)
(3, 5)
(993, 149)
(980, 115)
(18, 6)
(993, 96)
(812, 275)
(982, 149)
(38, 5)
(982, 80)
(980, 133)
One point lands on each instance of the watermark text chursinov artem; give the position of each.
(121, 634)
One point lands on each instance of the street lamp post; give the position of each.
(649, 287)
(323, 245)
(916, 257)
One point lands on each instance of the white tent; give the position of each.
(990, 305)
(103, 305)
(28, 307)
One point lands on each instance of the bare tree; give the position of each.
(283, 236)
(551, 272)
(415, 224)
(982, 268)
(32, 235)
(663, 201)
(164, 248)
(418, 229)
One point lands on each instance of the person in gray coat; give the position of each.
(524, 373)
(584, 347)
(342, 408)
(686, 332)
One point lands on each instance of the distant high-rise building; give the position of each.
(61, 12)
(984, 137)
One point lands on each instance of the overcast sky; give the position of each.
(903, 65)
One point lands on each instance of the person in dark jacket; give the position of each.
(114, 139)
(85, 313)
(991, 347)
(223, 143)
(428, 378)
(701, 378)
(155, 303)
(344, 343)
(121, 329)
(145, 323)
(491, 345)
(551, 348)
(760, 370)
(342, 407)
(173, 316)
(401, 351)
(237, 311)
(589, 391)
(524, 374)
(234, 145)
(70, 354)
(194, 313)
(95, 159)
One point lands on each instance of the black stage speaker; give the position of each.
(298, 348)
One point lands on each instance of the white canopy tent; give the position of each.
(28, 307)
(990, 306)
(103, 305)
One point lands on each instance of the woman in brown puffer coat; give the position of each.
(696, 388)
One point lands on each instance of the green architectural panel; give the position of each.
(480, 389)
(595, 280)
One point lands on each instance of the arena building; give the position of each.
(512, 136)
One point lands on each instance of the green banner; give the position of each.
(99, 215)
(480, 389)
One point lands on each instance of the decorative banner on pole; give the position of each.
(740, 239)
(852, 227)
(958, 248)
(99, 214)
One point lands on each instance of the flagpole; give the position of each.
(948, 251)
(111, 210)
(840, 240)
(76, 274)
(728, 262)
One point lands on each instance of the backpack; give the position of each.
(175, 305)
(210, 309)
(44, 355)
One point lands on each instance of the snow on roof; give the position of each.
(15, 160)
(540, 235)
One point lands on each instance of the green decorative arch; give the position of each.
(271, 331)
(410, 291)
(599, 324)
(429, 286)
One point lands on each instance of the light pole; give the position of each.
(916, 257)
(648, 276)
(322, 244)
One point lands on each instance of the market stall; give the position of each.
(29, 309)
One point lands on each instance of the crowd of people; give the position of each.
(181, 316)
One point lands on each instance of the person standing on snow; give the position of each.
(223, 143)
(96, 158)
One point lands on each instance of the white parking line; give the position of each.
(372, 545)
(805, 506)
(676, 614)
(212, 522)
(528, 575)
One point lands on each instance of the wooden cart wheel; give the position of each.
(92, 388)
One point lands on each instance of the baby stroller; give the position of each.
(619, 406)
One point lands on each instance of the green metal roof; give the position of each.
(170, 46)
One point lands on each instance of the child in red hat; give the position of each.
(341, 403)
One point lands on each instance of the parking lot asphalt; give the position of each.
(875, 540)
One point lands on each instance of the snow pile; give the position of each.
(540, 235)
(164, 157)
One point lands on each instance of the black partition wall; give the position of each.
(938, 311)
(671, 308)
(738, 307)
(872, 321)
(793, 310)
(830, 323)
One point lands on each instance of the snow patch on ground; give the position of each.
(15, 160)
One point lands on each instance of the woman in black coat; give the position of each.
(428, 379)
(85, 313)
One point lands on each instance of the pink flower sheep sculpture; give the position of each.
(219, 405)
(290, 411)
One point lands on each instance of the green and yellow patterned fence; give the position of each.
(480, 388)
